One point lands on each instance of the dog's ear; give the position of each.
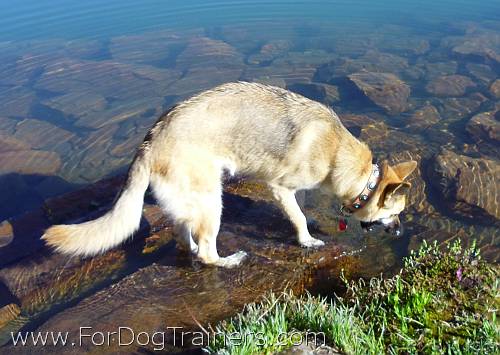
(392, 190)
(402, 170)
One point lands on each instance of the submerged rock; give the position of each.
(327, 94)
(186, 294)
(29, 162)
(384, 89)
(270, 51)
(449, 85)
(423, 118)
(495, 89)
(207, 52)
(469, 186)
(484, 126)
(42, 135)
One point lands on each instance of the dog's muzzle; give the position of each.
(392, 226)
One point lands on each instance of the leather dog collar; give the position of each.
(362, 199)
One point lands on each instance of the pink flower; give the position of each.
(459, 274)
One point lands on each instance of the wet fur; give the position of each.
(263, 132)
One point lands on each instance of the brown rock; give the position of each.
(384, 89)
(481, 72)
(207, 52)
(157, 48)
(201, 78)
(480, 44)
(495, 88)
(29, 162)
(112, 80)
(456, 108)
(434, 70)
(469, 186)
(77, 104)
(6, 234)
(122, 110)
(16, 101)
(42, 135)
(270, 51)
(325, 93)
(424, 117)
(8, 313)
(9, 143)
(484, 126)
(449, 85)
(7, 124)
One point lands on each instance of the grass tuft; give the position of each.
(442, 301)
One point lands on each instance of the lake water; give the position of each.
(82, 81)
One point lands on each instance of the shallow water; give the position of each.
(81, 82)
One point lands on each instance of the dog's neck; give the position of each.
(352, 167)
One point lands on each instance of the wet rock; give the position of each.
(290, 74)
(42, 135)
(8, 313)
(482, 45)
(113, 80)
(7, 124)
(495, 89)
(469, 186)
(9, 143)
(16, 101)
(434, 70)
(202, 78)
(481, 72)
(270, 51)
(275, 263)
(87, 162)
(449, 85)
(279, 82)
(423, 118)
(77, 104)
(384, 89)
(456, 108)
(484, 127)
(6, 234)
(29, 162)
(206, 52)
(371, 61)
(324, 93)
(155, 48)
(120, 111)
(306, 58)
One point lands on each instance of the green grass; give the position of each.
(441, 302)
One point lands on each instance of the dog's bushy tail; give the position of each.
(97, 236)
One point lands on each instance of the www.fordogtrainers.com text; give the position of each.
(158, 340)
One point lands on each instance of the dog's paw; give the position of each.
(231, 261)
(311, 243)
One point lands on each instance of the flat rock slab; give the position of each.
(449, 85)
(470, 186)
(29, 162)
(116, 289)
(484, 127)
(386, 90)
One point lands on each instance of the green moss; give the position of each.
(442, 301)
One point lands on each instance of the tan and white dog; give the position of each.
(263, 132)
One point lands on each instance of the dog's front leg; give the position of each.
(286, 199)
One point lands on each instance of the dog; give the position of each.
(263, 132)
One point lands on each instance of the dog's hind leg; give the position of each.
(206, 225)
(286, 199)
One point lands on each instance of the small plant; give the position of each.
(440, 302)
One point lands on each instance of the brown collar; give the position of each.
(363, 198)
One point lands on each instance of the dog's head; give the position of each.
(388, 200)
